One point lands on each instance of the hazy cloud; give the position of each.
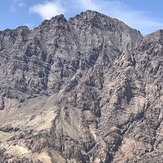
(30, 25)
(47, 9)
(88, 4)
(17, 4)
(21, 4)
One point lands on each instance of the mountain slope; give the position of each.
(88, 89)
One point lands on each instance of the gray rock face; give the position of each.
(88, 89)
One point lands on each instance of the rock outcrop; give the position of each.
(87, 89)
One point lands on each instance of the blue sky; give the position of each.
(144, 15)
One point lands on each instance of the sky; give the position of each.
(143, 15)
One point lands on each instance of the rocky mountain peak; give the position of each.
(54, 20)
(97, 20)
(90, 14)
(155, 36)
(83, 90)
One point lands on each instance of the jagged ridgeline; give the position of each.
(83, 90)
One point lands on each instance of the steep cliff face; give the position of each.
(88, 89)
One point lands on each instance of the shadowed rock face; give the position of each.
(88, 89)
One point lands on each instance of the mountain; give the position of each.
(83, 90)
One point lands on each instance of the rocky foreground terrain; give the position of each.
(83, 90)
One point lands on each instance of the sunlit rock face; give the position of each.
(83, 90)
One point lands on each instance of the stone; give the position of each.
(87, 89)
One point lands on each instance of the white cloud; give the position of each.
(47, 9)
